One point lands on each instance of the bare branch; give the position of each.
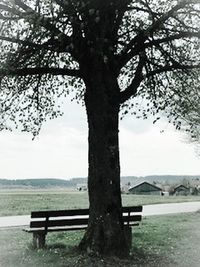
(175, 66)
(50, 44)
(40, 71)
(131, 90)
(29, 12)
(167, 39)
(134, 46)
(18, 41)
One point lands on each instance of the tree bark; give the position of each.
(105, 233)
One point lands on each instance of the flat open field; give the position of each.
(22, 202)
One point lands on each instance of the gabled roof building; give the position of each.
(181, 190)
(145, 188)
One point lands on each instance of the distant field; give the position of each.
(22, 202)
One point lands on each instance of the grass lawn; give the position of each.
(165, 241)
(158, 241)
(16, 202)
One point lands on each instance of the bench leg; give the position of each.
(128, 235)
(39, 240)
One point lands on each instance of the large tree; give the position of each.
(109, 53)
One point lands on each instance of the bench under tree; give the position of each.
(43, 222)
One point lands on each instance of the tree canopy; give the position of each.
(152, 47)
(113, 54)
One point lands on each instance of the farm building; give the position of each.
(194, 191)
(145, 188)
(181, 190)
(82, 187)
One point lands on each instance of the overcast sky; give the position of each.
(60, 151)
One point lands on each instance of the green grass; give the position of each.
(131, 199)
(15, 202)
(23, 202)
(155, 243)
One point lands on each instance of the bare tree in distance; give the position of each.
(109, 53)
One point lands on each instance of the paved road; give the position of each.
(148, 210)
(159, 209)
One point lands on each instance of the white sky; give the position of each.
(60, 151)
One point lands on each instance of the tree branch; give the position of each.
(42, 20)
(18, 41)
(40, 71)
(159, 22)
(131, 90)
(6, 8)
(49, 44)
(175, 66)
(180, 35)
(133, 47)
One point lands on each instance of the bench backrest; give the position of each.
(76, 217)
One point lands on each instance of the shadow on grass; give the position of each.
(61, 255)
(57, 246)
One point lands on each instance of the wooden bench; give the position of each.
(43, 222)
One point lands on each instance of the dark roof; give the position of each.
(152, 185)
(181, 185)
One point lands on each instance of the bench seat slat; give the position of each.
(132, 209)
(132, 218)
(53, 223)
(55, 229)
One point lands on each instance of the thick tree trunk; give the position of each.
(105, 233)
